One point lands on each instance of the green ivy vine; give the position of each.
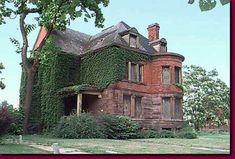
(59, 73)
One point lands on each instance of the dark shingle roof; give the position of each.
(71, 41)
(79, 43)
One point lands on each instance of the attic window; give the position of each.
(133, 41)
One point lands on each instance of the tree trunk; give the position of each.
(28, 98)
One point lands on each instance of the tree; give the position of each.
(4, 104)
(206, 97)
(52, 14)
(5, 120)
(206, 5)
(16, 115)
(2, 85)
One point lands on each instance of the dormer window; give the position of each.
(133, 41)
(131, 36)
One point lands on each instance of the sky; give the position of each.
(203, 38)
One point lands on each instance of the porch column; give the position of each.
(79, 103)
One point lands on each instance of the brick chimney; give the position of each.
(153, 31)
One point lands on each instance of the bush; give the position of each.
(187, 133)
(118, 127)
(149, 133)
(82, 126)
(167, 134)
(5, 120)
(16, 127)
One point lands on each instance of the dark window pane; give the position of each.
(133, 72)
(136, 72)
(166, 108)
(178, 108)
(177, 75)
(126, 105)
(138, 108)
(166, 75)
(141, 67)
(133, 40)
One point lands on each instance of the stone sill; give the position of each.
(129, 81)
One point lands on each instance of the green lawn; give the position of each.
(204, 144)
(19, 149)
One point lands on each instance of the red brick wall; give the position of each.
(106, 104)
(151, 91)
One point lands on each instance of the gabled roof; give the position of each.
(71, 41)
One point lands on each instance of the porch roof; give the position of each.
(76, 89)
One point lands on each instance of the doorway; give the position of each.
(70, 105)
(89, 103)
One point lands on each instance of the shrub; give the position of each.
(167, 134)
(187, 133)
(118, 127)
(16, 128)
(82, 126)
(149, 133)
(5, 120)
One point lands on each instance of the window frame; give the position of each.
(129, 106)
(133, 36)
(179, 75)
(140, 105)
(170, 109)
(133, 75)
(180, 108)
(163, 81)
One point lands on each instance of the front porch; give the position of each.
(78, 99)
(82, 102)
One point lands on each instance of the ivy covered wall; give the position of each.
(106, 66)
(58, 70)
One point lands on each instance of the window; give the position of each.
(178, 108)
(166, 74)
(177, 75)
(137, 106)
(166, 108)
(168, 129)
(126, 105)
(135, 72)
(133, 41)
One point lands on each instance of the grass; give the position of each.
(19, 149)
(204, 144)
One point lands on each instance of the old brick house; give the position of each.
(149, 91)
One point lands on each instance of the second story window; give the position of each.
(135, 72)
(177, 75)
(166, 76)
